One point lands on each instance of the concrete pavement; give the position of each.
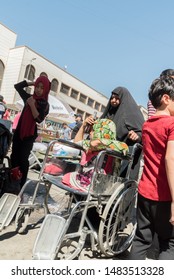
(15, 246)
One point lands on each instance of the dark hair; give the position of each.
(159, 87)
(1, 98)
(114, 94)
(167, 72)
(78, 116)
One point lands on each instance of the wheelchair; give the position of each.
(63, 234)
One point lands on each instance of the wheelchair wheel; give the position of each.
(21, 220)
(118, 222)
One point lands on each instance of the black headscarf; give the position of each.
(126, 116)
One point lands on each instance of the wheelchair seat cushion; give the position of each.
(80, 182)
(82, 179)
(53, 169)
(57, 181)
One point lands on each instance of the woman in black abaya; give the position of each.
(125, 113)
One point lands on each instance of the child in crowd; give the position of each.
(155, 209)
(35, 110)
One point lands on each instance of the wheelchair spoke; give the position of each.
(119, 221)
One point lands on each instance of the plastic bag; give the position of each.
(62, 150)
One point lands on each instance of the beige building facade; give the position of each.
(21, 62)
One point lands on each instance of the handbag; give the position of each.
(10, 180)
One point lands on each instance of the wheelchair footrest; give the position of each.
(49, 237)
(9, 204)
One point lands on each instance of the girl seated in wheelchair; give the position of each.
(102, 135)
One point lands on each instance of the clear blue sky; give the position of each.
(104, 43)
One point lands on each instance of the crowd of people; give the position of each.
(120, 126)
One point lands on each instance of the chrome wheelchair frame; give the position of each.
(115, 203)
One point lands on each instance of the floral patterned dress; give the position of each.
(105, 131)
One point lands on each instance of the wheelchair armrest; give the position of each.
(70, 144)
(118, 154)
(111, 153)
(137, 146)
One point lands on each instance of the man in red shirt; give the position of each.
(155, 209)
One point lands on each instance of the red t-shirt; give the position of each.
(157, 131)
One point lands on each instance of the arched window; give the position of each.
(30, 72)
(2, 67)
(43, 74)
(54, 85)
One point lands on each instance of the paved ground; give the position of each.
(15, 246)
